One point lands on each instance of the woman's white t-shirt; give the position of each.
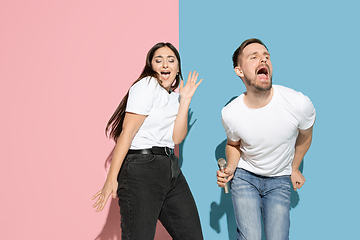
(148, 97)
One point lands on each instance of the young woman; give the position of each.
(144, 172)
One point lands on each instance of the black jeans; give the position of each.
(152, 187)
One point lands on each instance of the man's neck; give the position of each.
(258, 99)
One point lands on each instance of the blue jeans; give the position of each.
(152, 187)
(256, 196)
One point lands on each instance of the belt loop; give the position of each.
(168, 151)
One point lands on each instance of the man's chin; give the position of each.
(263, 87)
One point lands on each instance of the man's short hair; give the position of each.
(240, 49)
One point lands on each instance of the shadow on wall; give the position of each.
(111, 229)
(181, 145)
(226, 207)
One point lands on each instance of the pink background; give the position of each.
(64, 67)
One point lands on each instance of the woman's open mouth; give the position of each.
(165, 75)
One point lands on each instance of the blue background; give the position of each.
(314, 49)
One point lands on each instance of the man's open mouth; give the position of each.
(263, 72)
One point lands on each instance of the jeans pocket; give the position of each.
(141, 158)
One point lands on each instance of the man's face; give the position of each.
(255, 67)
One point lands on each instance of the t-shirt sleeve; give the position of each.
(141, 96)
(229, 133)
(308, 114)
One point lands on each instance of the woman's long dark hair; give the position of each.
(115, 123)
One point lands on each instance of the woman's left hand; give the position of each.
(187, 91)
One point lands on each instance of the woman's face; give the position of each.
(166, 65)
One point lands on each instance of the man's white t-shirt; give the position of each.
(148, 97)
(268, 135)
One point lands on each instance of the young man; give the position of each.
(269, 131)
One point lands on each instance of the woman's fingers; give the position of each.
(100, 201)
(96, 204)
(95, 196)
(110, 188)
(198, 83)
(192, 77)
(189, 76)
(101, 204)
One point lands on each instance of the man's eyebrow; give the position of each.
(256, 52)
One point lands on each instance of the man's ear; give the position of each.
(239, 71)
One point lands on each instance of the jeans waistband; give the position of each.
(154, 150)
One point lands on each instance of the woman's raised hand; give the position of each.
(187, 91)
(110, 188)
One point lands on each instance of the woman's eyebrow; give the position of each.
(160, 56)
